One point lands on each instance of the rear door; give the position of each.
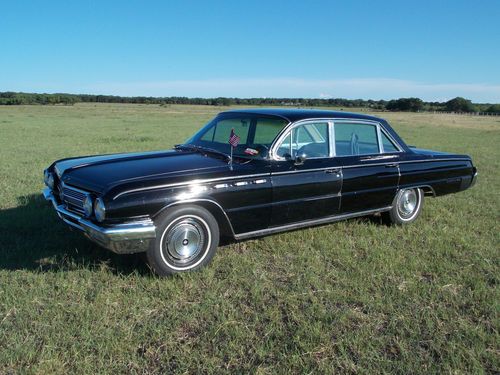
(369, 161)
(310, 190)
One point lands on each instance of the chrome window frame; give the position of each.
(331, 134)
(391, 139)
(287, 131)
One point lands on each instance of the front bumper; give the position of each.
(126, 238)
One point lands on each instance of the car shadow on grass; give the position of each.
(32, 237)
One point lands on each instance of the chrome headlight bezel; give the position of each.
(88, 206)
(48, 178)
(99, 210)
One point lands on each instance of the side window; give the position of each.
(389, 146)
(266, 129)
(355, 139)
(222, 130)
(310, 140)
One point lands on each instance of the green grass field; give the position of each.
(352, 297)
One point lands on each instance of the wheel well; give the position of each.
(225, 227)
(428, 190)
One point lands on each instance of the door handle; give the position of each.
(392, 165)
(333, 170)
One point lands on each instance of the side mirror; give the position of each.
(300, 159)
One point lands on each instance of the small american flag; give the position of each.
(233, 139)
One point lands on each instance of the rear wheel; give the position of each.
(406, 206)
(186, 239)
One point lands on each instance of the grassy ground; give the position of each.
(355, 297)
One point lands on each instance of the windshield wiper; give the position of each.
(203, 150)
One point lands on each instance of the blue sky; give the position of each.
(435, 50)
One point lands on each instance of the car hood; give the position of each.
(102, 172)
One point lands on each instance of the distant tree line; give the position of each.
(403, 104)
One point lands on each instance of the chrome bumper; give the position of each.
(123, 238)
(474, 178)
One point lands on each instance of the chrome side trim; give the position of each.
(201, 181)
(307, 223)
(368, 164)
(261, 181)
(191, 182)
(404, 162)
(302, 171)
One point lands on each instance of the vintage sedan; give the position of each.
(249, 173)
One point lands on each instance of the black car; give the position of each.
(249, 173)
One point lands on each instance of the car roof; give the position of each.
(293, 115)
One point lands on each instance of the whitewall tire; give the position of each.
(406, 206)
(186, 240)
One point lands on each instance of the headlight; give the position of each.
(50, 181)
(99, 210)
(88, 206)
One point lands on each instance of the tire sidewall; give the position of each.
(164, 222)
(395, 216)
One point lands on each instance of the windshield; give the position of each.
(256, 134)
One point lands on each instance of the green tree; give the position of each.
(494, 108)
(459, 104)
(405, 104)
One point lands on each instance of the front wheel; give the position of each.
(406, 206)
(186, 239)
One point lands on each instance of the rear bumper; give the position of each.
(126, 238)
(474, 178)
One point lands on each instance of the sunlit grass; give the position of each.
(355, 296)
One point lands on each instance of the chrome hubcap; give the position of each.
(407, 202)
(185, 240)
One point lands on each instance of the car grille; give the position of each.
(73, 197)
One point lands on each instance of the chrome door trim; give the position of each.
(307, 223)
(368, 164)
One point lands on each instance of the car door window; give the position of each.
(355, 139)
(310, 140)
(389, 146)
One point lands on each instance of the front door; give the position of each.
(308, 190)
